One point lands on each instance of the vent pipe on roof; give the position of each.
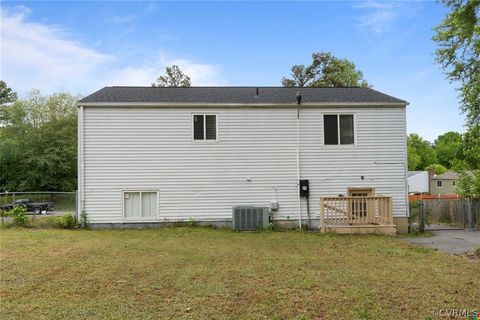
(299, 97)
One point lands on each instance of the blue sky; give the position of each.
(82, 46)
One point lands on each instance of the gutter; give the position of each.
(251, 105)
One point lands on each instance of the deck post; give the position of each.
(390, 210)
(322, 216)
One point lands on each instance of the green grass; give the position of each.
(199, 273)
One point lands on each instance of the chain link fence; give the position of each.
(41, 202)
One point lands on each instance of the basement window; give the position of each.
(338, 129)
(204, 127)
(140, 205)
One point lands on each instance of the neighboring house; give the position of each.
(418, 182)
(444, 184)
(151, 155)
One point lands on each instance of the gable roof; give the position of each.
(449, 175)
(236, 95)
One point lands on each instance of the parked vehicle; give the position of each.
(35, 207)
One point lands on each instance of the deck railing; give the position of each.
(347, 211)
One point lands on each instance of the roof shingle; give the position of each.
(240, 95)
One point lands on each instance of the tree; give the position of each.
(326, 70)
(6, 94)
(448, 148)
(174, 77)
(468, 184)
(437, 168)
(419, 151)
(38, 145)
(458, 40)
(414, 158)
(471, 147)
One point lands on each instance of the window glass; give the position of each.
(140, 204)
(149, 204)
(330, 129)
(198, 132)
(132, 204)
(211, 127)
(440, 183)
(346, 129)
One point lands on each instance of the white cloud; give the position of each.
(204, 74)
(379, 15)
(200, 74)
(36, 55)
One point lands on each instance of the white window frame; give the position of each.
(140, 219)
(338, 145)
(192, 127)
(441, 182)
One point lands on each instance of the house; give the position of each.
(444, 184)
(153, 156)
(418, 182)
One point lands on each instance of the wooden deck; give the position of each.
(357, 215)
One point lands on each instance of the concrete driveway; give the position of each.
(450, 241)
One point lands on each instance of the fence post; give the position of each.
(77, 216)
(470, 214)
(13, 196)
(421, 217)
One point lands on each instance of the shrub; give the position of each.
(67, 221)
(19, 216)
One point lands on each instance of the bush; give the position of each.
(67, 221)
(19, 216)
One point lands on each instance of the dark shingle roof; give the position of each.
(242, 95)
(413, 173)
(449, 175)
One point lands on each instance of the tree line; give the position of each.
(38, 141)
(450, 151)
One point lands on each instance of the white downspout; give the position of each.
(80, 166)
(298, 163)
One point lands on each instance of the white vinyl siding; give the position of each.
(379, 155)
(141, 148)
(140, 205)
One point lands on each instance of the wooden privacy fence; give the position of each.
(347, 211)
(459, 212)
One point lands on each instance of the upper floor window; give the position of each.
(453, 183)
(338, 129)
(440, 183)
(204, 127)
